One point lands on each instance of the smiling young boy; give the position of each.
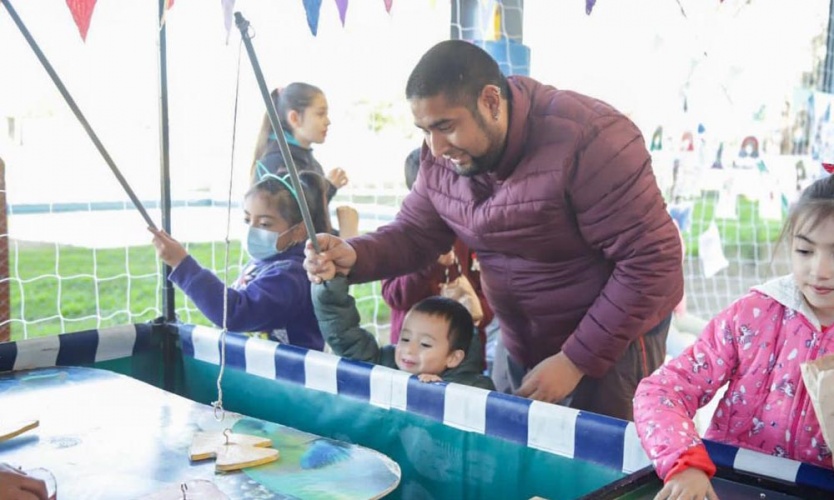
(437, 341)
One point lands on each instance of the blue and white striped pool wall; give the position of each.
(555, 429)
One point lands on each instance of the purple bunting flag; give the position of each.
(342, 5)
(589, 6)
(228, 7)
(388, 5)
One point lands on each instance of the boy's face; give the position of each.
(812, 263)
(424, 345)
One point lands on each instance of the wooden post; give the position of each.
(5, 297)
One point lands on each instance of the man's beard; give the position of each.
(489, 160)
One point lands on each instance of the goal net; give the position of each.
(733, 132)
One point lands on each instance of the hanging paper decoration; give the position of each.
(228, 7)
(165, 9)
(82, 12)
(342, 5)
(589, 6)
(388, 5)
(313, 7)
(829, 167)
(711, 251)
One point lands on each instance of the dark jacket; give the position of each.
(576, 249)
(271, 296)
(339, 323)
(303, 158)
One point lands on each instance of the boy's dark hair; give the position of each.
(815, 204)
(297, 97)
(456, 69)
(315, 192)
(412, 167)
(461, 326)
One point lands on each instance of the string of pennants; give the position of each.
(82, 12)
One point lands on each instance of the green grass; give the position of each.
(748, 236)
(66, 289)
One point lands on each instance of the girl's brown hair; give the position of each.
(815, 204)
(297, 97)
(285, 203)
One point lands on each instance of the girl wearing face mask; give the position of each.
(272, 295)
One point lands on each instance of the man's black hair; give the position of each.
(456, 69)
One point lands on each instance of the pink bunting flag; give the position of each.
(82, 13)
(166, 8)
(342, 5)
(388, 5)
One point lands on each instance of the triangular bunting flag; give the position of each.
(313, 7)
(388, 5)
(166, 8)
(589, 6)
(342, 5)
(228, 7)
(82, 12)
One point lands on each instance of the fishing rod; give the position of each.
(77, 112)
(243, 25)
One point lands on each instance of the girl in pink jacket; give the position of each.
(755, 347)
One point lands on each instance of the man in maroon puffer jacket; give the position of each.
(554, 190)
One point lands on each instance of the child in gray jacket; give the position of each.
(437, 341)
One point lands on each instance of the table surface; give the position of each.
(105, 435)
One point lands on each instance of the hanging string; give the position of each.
(219, 411)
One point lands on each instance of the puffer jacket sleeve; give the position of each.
(665, 402)
(266, 303)
(410, 243)
(620, 212)
(403, 292)
(339, 321)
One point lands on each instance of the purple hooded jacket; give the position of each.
(576, 248)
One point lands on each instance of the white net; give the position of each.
(79, 256)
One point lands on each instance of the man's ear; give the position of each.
(491, 99)
(455, 358)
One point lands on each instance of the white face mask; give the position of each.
(262, 244)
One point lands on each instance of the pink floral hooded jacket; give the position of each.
(756, 346)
